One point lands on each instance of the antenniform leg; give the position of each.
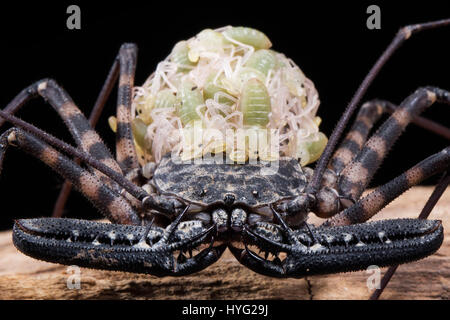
(329, 249)
(354, 164)
(357, 175)
(368, 206)
(403, 34)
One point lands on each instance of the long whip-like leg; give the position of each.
(356, 176)
(93, 119)
(432, 201)
(422, 122)
(113, 205)
(356, 161)
(368, 115)
(404, 34)
(371, 204)
(125, 149)
(82, 132)
(167, 205)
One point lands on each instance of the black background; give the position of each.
(330, 43)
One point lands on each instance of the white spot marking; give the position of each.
(42, 86)
(347, 237)
(329, 238)
(360, 244)
(141, 245)
(317, 248)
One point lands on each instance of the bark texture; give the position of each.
(24, 278)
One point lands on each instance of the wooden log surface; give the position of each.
(24, 278)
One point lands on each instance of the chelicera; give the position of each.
(173, 219)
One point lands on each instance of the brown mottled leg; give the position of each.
(93, 119)
(165, 204)
(357, 174)
(403, 34)
(125, 149)
(368, 206)
(419, 121)
(126, 64)
(329, 202)
(74, 119)
(367, 116)
(108, 201)
(432, 200)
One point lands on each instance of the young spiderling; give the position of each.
(226, 80)
(180, 57)
(249, 36)
(190, 98)
(255, 103)
(166, 99)
(262, 60)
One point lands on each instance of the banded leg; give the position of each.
(367, 116)
(125, 150)
(163, 204)
(358, 173)
(424, 123)
(125, 63)
(404, 34)
(432, 200)
(79, 127)
(94, 116)
(329, 201)
(368, 206)
(108, 201)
